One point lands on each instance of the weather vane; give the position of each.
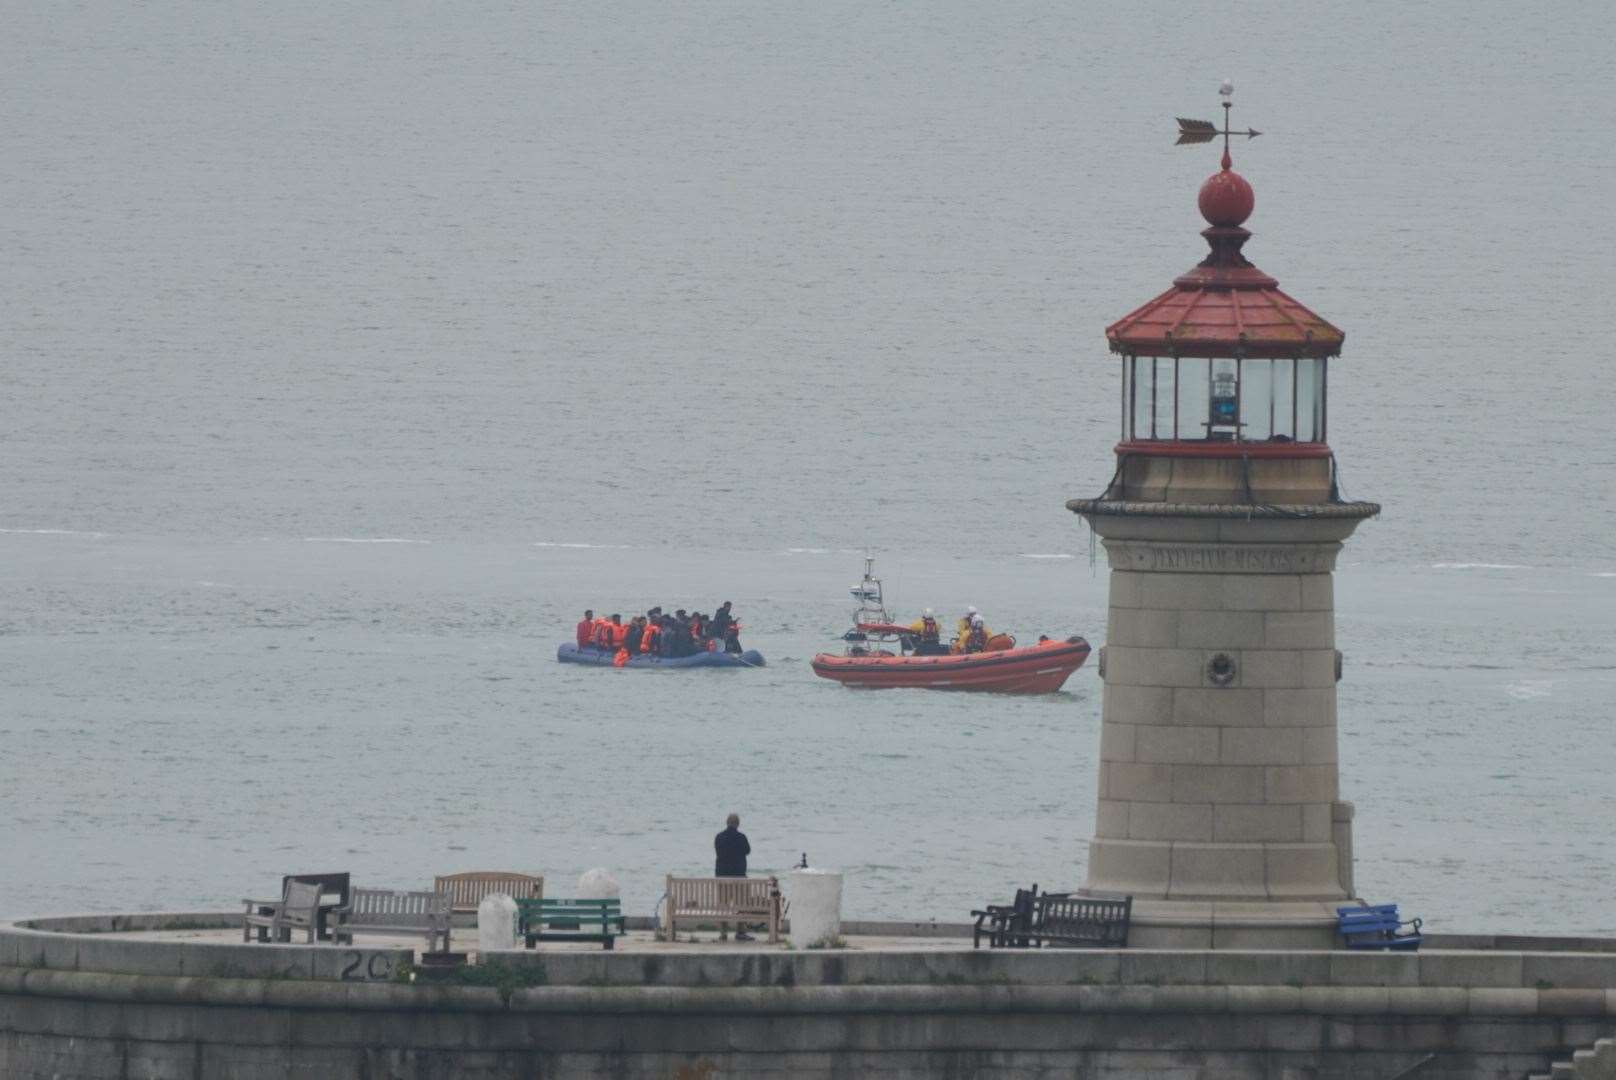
(1201, 131)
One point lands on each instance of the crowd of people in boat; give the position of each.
(657, 633)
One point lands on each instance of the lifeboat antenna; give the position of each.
(872, 605)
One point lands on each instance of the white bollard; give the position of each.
(597, 884)
(496, 923)
(816, 907)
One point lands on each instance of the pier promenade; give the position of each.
(179, 995)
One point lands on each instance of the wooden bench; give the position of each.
(570, 920)
(1377, 926)
(466, 890)
(390, 911)
(1006, 926)
(1064, 920)
(298, 908)
(334, 890)
(723, 901)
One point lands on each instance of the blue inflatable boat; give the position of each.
(572, 654)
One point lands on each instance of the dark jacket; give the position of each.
(732, 850)
(680, 641)
(632, 641)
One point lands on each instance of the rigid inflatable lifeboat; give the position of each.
(879, 656)
(1031, 669)
(570, 653)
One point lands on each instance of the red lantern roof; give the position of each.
(1225, 307)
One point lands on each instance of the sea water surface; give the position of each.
(348, 354)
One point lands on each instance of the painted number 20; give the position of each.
(365, 967)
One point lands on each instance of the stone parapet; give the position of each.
(1144, 982)
(927, 1011)
(1240, 1015)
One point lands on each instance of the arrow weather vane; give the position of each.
(1202, 131)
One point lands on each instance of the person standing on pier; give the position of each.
(732, 848)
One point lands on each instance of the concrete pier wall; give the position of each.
(95, 1010)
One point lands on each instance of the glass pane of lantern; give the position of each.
(1192, 398)
(1284, 372)
(1223, 422)
(1308, 392)
(1256, 395)
(1141, 397)
(1164, 397)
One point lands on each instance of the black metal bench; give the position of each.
(1061, 920)
(1006, 926)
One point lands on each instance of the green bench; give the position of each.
(570, 920)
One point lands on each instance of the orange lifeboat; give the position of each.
(1032, 669)
(878, 656)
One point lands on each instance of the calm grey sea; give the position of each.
(347, 352)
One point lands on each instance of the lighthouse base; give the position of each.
(1259, 873)
(1187, 924)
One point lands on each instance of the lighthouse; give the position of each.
(1219, 806)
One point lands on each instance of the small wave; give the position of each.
(360, 540)
(1528, 689)
(1052, 555)
(58, 532)
(1478, 566)
(561, 544)
(806, 551)
(1603, 573)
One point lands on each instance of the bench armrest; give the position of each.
(263, 903)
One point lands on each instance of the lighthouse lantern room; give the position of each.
(1225, 366)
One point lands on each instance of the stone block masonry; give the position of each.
(865, 1011)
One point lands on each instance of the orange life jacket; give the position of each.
(648, 639)
(603, 633)
(619, 632)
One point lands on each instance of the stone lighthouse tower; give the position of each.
(1219, 803)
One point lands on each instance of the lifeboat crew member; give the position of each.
(928, 635)
(586, 630)
(977, 639)
(962, 629)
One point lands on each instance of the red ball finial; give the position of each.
(1226, 199)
